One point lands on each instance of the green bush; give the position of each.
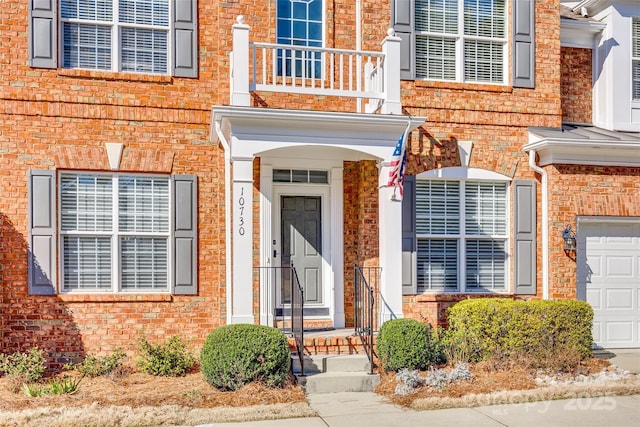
(172, 358)
(28, 366)
(235, 355)
(407, 343)
(95, 366)
(538, 330)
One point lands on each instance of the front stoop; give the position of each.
(335, 374)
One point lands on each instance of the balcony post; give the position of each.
(239, 60)
(391, 50)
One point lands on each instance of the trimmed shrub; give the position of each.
(538, 330)
(235, 355)
(407, 343)
(173, 358)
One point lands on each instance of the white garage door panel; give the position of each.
(594, 297)
(620, 332)
(609, 279)
(619, 299)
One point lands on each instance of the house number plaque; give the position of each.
(241, 212)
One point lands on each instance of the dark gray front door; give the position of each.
(302, 246)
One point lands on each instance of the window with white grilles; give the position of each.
(115, 232)
(635, 72)
(462, 235)
(116, 35)
(461, 40)
(299, 23)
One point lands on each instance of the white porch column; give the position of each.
(391, 50)
(242, 281)
(390, 229)
(240, 64)
(267, 285)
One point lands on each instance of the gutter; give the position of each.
(545, 223)
(227, 211)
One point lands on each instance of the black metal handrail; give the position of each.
(295, 301)
(297, 316)
(364, 306)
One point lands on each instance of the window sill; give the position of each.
(115, 297)
(109, 75)
(457, 296)
(476, 87)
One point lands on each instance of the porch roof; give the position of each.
(582, 144)
(252, 130)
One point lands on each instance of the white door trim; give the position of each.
(323, 192)
(332, 233)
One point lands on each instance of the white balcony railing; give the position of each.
(317, 71)
(373, 76)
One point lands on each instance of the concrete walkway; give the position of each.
(370, 409)
(626, 358)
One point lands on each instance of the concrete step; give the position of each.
(331, 363)
(337, 382)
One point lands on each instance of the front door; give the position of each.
(301, 229)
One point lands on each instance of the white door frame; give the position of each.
(316, 190)
(332, 231)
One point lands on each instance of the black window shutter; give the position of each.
(42, 232)
(525, 237)
(402, 22)
(185, 235)
(185, 38)
(43, 32)
(524, 49)
(409, 243)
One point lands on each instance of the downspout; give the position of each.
(545, 223)
(227, 213)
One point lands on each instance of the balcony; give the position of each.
(267, 67)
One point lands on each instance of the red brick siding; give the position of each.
(59, 119)
(576, 84)
(588, 191)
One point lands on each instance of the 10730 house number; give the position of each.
(241, 201)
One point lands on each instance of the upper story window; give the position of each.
(299, 23)
(134, 36)
(461, 40)
(635, 73)
(122, 35)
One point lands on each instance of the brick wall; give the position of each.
(576, 84)
(61, 119)
(589, 191)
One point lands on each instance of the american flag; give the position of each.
(398, 162)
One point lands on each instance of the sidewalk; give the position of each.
(370, 410)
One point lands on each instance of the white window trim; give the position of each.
(323, 41)
(634, 59)
(462, 175)
(460, 37)
(116, 44)
(116, 264)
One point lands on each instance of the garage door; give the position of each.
(609, 279)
